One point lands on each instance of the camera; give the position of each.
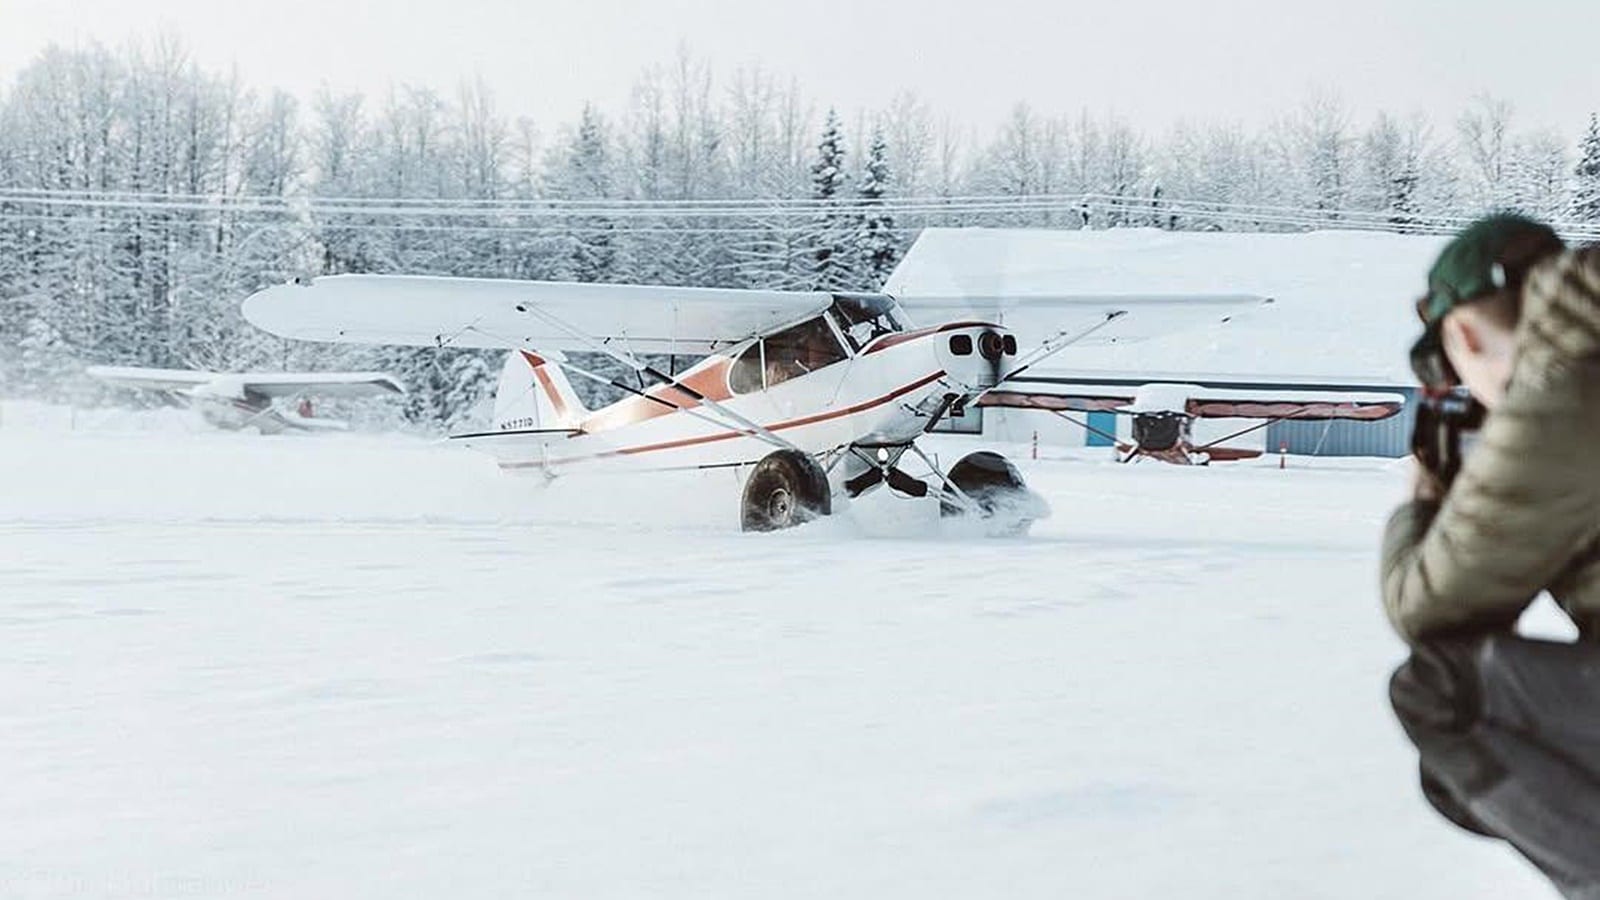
(1445, 412)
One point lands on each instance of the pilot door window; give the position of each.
(800, 350)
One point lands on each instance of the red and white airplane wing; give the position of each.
(1060, 397)
(1269, 402)
(1291, 403)
(505, 314)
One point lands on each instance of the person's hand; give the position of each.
(1425, 485)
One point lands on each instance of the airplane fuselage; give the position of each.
(887, 391)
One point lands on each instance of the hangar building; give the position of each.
(1341, 319)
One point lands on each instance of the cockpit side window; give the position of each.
(864, 317)
(790, 353)
(800, 350)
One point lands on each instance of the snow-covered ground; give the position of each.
(355, 666)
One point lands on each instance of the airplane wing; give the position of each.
(321, 384)
(502, 314)
(151, 379)
(1063, 397)
(271, 384)
(1288, 403)
(1269, 402)
(1127, 317)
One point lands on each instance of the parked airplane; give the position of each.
(250, 399)
(1164, 412)
(818, 395)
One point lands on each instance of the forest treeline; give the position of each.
(142, 196)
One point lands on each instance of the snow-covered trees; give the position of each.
(1122, 171)
(1586, 177)
(832, 262)
(877, 245)
(142, 196)
(583, 172)
(1539, 170)
(155, 277)
(908, 130)
(1485, 138)
(1391, 155)
(767, 146)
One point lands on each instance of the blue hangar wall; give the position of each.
(1344, 437)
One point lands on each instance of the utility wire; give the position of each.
(558, 217)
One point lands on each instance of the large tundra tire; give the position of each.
(1004, 503)
(787, 488)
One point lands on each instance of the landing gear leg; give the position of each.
(881, 468)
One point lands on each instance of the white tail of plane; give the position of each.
(535, 394)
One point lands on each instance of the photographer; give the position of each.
(1508, 728)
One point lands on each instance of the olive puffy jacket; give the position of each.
(1523, 515)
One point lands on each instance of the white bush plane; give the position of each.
(234, 400)
(818, 394)
(1163, 413)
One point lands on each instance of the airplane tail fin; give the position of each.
(534, 393)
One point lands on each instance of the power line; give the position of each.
(109, 224)
(966, 203)
(597, 206)
(616, 202)
(778, 214)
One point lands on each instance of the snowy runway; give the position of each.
(364, 667)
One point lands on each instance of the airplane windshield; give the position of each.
(863, 317)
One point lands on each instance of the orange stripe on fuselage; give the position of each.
(711, 381)
(727, 435)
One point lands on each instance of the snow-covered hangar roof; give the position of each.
(1342, 312)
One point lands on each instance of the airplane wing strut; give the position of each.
(1252, 429)
(1058, 342)
(640, 366)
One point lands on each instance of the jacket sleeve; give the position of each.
(1527, 498)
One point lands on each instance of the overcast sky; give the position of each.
(1152, 61)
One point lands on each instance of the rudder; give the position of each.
(534, 394)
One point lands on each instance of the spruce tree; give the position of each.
(584, 173)
(1159, 217)
(1586, 183)
(1402, 199)
(830, 253)
(877, 245)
